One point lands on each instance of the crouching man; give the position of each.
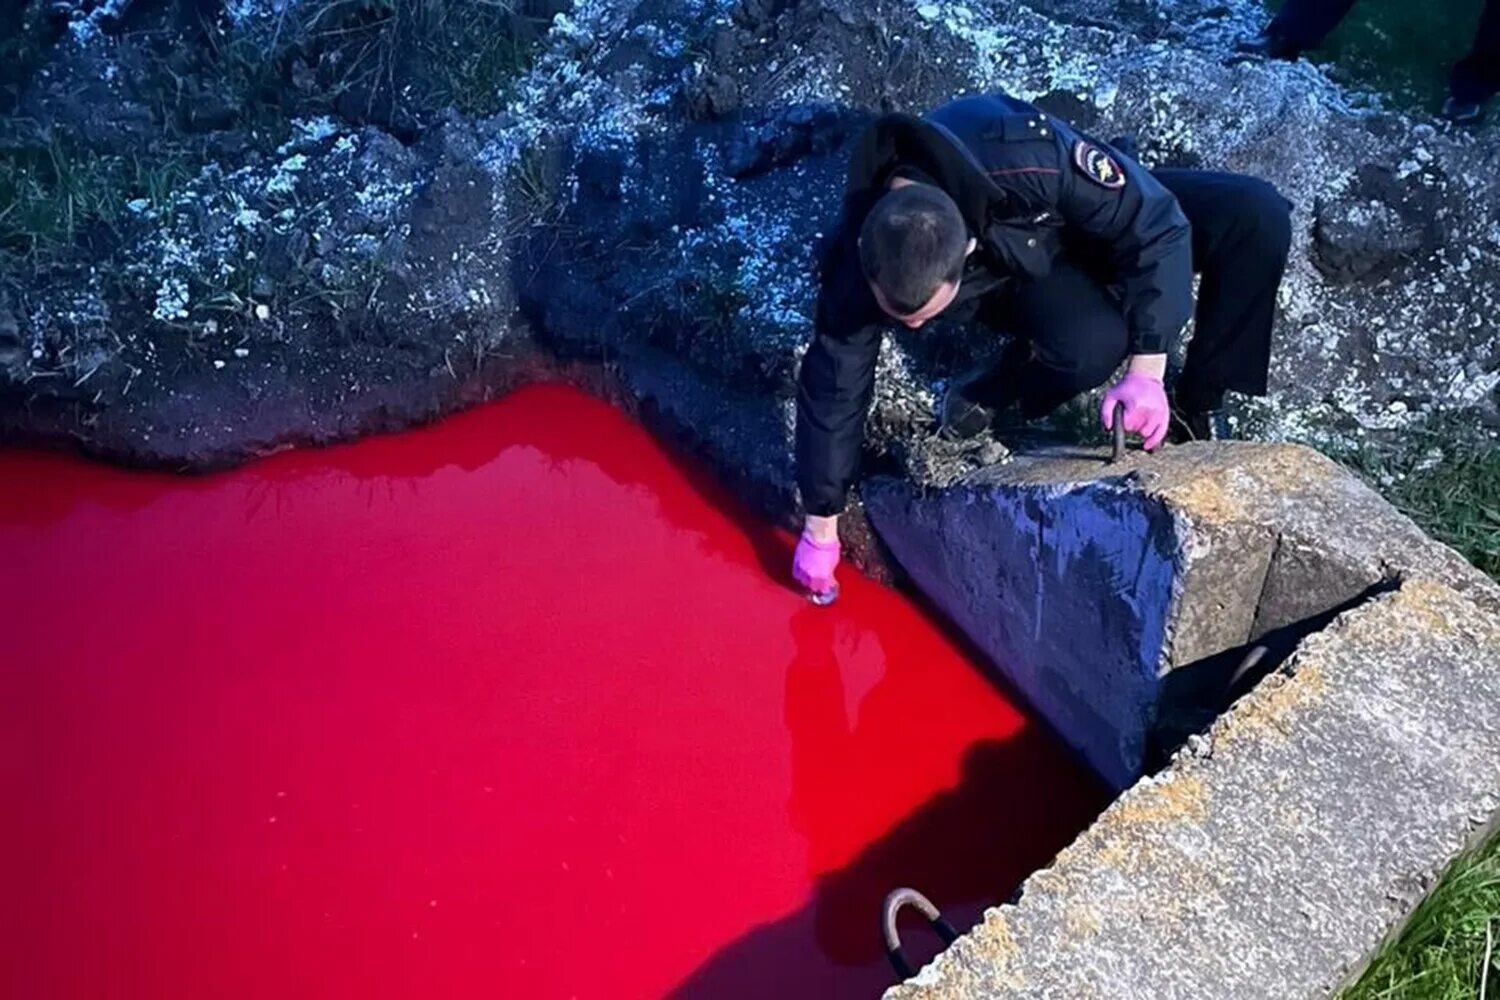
(1079, 253)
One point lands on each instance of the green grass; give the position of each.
(1441, 953)
(1401, 48)
(423, 54)
(1459, 502)
(1455, 498)
(470, 51)
(1404, 50)
(479, 52)
(48, 197)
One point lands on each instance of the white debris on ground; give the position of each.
(1386, 309)
(84, 19)
(246, 13)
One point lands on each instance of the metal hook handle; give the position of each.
(894, 903)
(1117, 427)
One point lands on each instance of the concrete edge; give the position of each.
(1275, 858)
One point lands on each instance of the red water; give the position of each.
(511, 706)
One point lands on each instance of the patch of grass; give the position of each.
(415, 54)
(49, 196)
(25, 41)
(1446, 478)
(478, 51)
(1401, 48)
(418, 56)
(1449, 483)
(1440, 955)
(1458, 501)
(538, 192)
(712, 302)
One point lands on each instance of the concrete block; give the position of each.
(1066, 590)
(1085, 584)
(1275, 859)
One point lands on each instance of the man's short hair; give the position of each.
(913, 240)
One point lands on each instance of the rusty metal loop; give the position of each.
(894, 903)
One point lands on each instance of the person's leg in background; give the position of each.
(1241, 237)
(1476, 77)
(1069, 336)
(1300, 26)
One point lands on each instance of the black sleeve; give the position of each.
(835, 386)
(1150, 244)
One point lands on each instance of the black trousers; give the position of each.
(1070, 333)
(1305, 24)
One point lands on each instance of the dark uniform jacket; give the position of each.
(1020, 178)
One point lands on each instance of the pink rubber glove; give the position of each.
(814, 562)
(1146, 410)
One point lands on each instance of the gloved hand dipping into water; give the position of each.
(813, 565)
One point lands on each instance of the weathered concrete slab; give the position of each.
(1272, 862)
(1086, 583)
(1067, 590)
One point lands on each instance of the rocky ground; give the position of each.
(234, 226)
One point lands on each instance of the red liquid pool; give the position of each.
(511, 706)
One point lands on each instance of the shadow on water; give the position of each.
(1017, 800)
(1400, 49)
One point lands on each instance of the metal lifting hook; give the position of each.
(1117, 428)
(894, 903)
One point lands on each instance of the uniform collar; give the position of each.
(901, 139)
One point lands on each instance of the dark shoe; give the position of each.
(1463, 112)
(1204, 425)
(959, 417)
(1268, 46)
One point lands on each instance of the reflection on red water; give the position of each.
(505, 707)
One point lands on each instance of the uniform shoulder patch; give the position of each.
(1097, 165)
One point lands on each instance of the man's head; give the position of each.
(912, 248)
